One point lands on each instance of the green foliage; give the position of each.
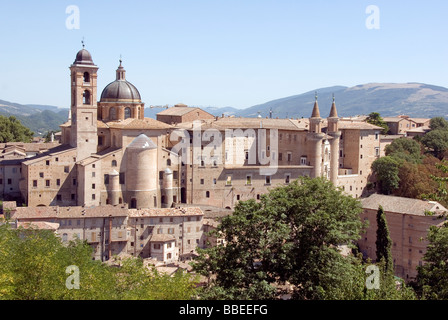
(404, 149)
(291, 235)
(33, 266)
(441, 194)
(375, 119)
(11, 130)
(432, 278)
(438, 123)
(386, 170)
(383, 241)
(436, 141)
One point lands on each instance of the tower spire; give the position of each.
(333, 111)
(316, 112)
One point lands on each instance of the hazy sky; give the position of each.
(220, 53)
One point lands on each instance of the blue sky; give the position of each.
(220, 53)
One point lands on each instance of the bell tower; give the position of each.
(83, 79)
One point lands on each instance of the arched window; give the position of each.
(138, 113)
(168, 162)
(112, 114)
(64, 237)
(86, 97)
(86, 77)
(127, 113)
(114, 163)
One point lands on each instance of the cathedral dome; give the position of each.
(83, 57)
(120, 90)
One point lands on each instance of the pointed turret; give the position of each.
(333, 111)
(316, 112)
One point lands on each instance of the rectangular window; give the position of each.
(47, 183)
(106, 179)
(268, 180)
(58, 182)
(289, 156)
(66, 169)
(41, 174)
(9, 181)
(280, 156)
(93, 186)
(303, 161)
(93, 196)
(59, 197)
(122, 178)
(157, 246)
(74, 182)
(93, 174)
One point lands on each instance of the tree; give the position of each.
(436, 141)
(386, 171)
(383, 241)
(11, 130)
(432, 278)
(33, 266)
(438, 123)
(405, 149)
(292, 235)
(375, 119)
(441, 193)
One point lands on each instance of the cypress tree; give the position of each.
(383, 241)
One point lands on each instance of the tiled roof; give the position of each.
(401, 205)
(158, 212)
(162, 238)
(68, 212)
(146, 123)
(41, 225)
(177, 111)
(360, 125)
(256, 123)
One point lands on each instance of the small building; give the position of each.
(408, 224)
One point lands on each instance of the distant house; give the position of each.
(182, 113)
(408, 226)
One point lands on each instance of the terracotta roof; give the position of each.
(360, 125)
(162, 238)
(41, 225)
(178, 111)
(146, 123)
(101, 124)
(263, 123)
(68, 212)
(157, 212)
(401, 205)
(393, 119)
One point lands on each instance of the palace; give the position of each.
(110, 154)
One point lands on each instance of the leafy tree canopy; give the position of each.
(386, 170)
(376, 119)
(11, 130)
(33, 266)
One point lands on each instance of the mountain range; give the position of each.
(389, 99)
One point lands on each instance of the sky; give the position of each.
(220, 53)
